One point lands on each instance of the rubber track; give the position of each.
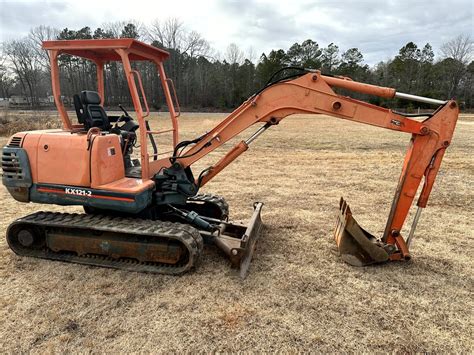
(216, 200)
(185, 234)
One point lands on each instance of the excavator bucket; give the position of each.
(356, 246)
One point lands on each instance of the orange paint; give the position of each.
(67, 161)
(61, 158)
(106, 163)
(125, 50)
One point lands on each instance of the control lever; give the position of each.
(124, 111)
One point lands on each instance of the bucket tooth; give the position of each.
(356, 246)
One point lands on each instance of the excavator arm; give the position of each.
(312, 93)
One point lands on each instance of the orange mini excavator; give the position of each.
(146, 214)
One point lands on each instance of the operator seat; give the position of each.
(91, 114)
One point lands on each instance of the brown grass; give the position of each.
(13, 121)
(299, 295)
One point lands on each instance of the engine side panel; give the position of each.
(63, 158)
(56, 167)
(106, 160)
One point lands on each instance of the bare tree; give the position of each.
(6, 82)
(117, 28)
(39, 34)
(251, 55)
(168, 33)
(233, 54)
(457, 55)
(195, 45)
(460, 49)
(172, 34)
(26, 65)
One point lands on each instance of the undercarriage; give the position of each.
(114, 240)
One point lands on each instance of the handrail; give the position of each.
(137, 74)
(164, 153)
(175, 97)
(160, 132)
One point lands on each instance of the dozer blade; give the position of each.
(356, 246)
(239, 241)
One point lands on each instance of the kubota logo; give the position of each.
(77, 192)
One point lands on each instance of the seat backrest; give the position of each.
(79, 107)
(94, 113)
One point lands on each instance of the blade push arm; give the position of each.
(313, 94)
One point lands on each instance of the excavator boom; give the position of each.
(313, 93)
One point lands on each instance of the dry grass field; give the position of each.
(299, 295)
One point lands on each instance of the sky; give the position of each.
(378, 28)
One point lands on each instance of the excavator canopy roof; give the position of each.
(104, 50)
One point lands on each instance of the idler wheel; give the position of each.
(26, 238)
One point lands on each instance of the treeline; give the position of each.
(205, 79)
